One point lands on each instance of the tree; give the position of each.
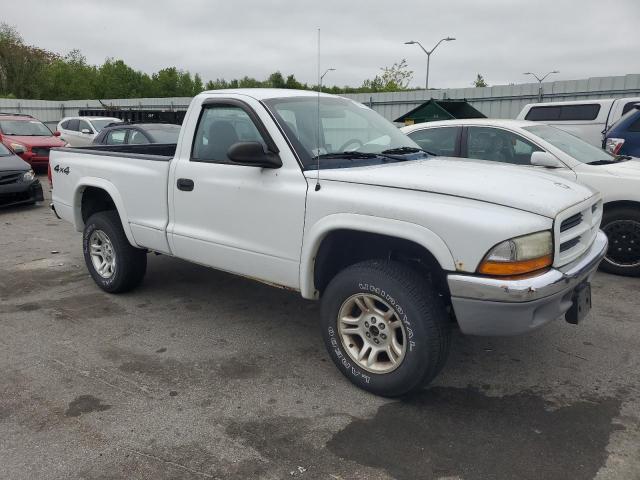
(393, 78)
(479, 81)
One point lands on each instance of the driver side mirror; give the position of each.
(86, 131)
(56, 133)
(253, 154)
(545, 159)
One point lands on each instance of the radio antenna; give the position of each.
(318, 119)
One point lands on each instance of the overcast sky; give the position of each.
(498, 38)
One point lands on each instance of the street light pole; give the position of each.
(540, 80)
(322, 76)
(429, 52)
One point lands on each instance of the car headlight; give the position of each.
(18, 147)
(28, 176)
(520, 255)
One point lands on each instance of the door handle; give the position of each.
(185, 184)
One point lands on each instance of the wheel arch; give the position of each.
(94, 195)
(324, 253)
(612, 205)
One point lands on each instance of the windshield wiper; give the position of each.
(347, 155)
(405, 150)
(607, 161)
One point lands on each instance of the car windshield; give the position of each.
(164, 133)
(100, 124)
(26, 128)
(571, 145)
(4, 151)
(351, 134)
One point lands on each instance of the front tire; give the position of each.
(622, 226)
(385, 327)
(114, 264)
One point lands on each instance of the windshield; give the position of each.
(165, 134)
(4, 151)
(98, 125)
(351, 134)
(571, 145)
(27, 128)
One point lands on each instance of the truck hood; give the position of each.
(508, 185)
(35, 141)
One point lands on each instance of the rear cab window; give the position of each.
(116, 137)
(564, 113)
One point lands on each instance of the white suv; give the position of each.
(80, 131)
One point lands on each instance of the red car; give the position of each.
(28, 137)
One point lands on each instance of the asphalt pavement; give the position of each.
(200, 374)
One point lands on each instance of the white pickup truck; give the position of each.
(397, 244)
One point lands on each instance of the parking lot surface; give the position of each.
(201, 374)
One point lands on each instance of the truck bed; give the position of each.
(135, 176)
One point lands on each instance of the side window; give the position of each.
(441, 141)
(547, 113)
(82, 125)
(541, 114)
(137, 138)
(116, 137)
(73, 125)
(486, 143)
(219, 127)
(628, 106)
(65, 124)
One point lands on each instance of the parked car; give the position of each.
(623, 138)
(587, 119)
(545, 148)
(28, 137)
(390, 239)
(80, 131)
(18, 183)
(138, 134)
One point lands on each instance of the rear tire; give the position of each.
(114, 264)
(392, 305)
(622, 226)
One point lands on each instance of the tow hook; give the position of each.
(53, 208)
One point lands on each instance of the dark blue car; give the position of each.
(623, 138)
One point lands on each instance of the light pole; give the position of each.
(322, 76)
(428, 52)
(540, 81)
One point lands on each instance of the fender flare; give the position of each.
(108, 187)
(315, 235)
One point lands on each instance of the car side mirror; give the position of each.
(56, 133)
(86, 131)
(253, 154)
(19, 149)
(545, 159)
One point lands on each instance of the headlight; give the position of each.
(519, 255)
(18, 147)
(28, 176)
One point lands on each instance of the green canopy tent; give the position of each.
(434, 110)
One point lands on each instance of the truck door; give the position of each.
(243, 219)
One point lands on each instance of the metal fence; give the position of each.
(502, 101)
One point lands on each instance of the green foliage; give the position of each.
(480, 82)
(30, 72)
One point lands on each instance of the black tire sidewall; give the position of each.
(623, 213)
(102, 221)
(423, 335)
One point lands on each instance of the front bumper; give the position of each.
(497, 307)
(19, 193)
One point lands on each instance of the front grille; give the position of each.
(575, 229)
(8, 178)
(571, 222)
(568, 245)
(9, 198)
(41, 151)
